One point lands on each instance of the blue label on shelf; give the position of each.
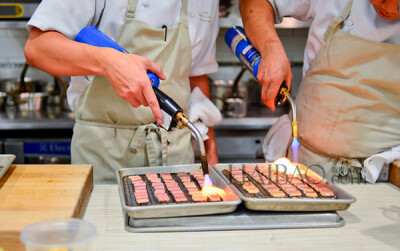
(47, 148)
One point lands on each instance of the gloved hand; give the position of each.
(278, 138)
(202, 112)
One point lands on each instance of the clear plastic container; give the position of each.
(62, 234)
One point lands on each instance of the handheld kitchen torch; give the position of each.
(171, 111)
(248, 55)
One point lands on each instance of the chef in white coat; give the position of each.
(110, 93)
(349, 100)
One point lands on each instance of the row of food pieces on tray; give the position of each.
(261, 181)
(165, 188)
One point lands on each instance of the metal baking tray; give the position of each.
(341, 202)
(231, 202)
(241, 219)
(5, 162)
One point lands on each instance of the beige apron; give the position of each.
(111, 134)
(349, 101)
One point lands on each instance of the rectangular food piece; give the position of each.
(169, 188)
(266, 182)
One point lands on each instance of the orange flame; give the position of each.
(209, 189)
(290, 167)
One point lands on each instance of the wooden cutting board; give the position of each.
(31, 193)
(394, 173)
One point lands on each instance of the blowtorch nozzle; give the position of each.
(204, 164)
(284, 95)
(199, 138)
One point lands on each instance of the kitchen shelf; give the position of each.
(13, 24)
(52, 118)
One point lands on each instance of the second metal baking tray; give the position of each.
(341, 202)
(241, 219)
(173, 210)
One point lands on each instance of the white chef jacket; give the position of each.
(69, 17)
(363, 21)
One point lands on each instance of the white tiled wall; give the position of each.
(12, 58)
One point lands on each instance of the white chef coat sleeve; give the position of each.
(302, 10)
(66, 17)
(206, 30)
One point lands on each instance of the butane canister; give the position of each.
(91, 35)
(239, 43)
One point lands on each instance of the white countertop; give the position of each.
(372, 222)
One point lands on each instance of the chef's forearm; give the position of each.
(258, 18)
(54, 53)
(201, 82)
(211, 148)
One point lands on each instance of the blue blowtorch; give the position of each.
(171, 111)
(248, 55)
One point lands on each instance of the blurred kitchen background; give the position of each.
(37, 128)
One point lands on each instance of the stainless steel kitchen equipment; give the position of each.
(235, 103)
(230, 203)
(342, 201)
(32, 101)
(3, 100)
(230, 96)
(241, 219)
(39, 150)
(33, 95)
(17, 10)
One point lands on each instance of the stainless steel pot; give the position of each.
(230, 96)
(58, 95)
(12, 88)
(235, 108)
(32, 101)
(3, 100)
(218, 90)
(221, 96)
(33, 95)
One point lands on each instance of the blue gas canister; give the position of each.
(239, 43)
(93, 36)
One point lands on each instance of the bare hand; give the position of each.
(274, 69)
(127, 74)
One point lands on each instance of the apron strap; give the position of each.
(184, 11)
(130, 12)
(337, 22)
(136, 141)
(105, 124)
(165, 141)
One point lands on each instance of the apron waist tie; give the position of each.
(341, 167)
(348, 169)
(144, 133)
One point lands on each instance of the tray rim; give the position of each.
(233, 227)
(229, 206)
(8, 164)
(249, 202)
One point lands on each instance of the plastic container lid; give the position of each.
(66, 233)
